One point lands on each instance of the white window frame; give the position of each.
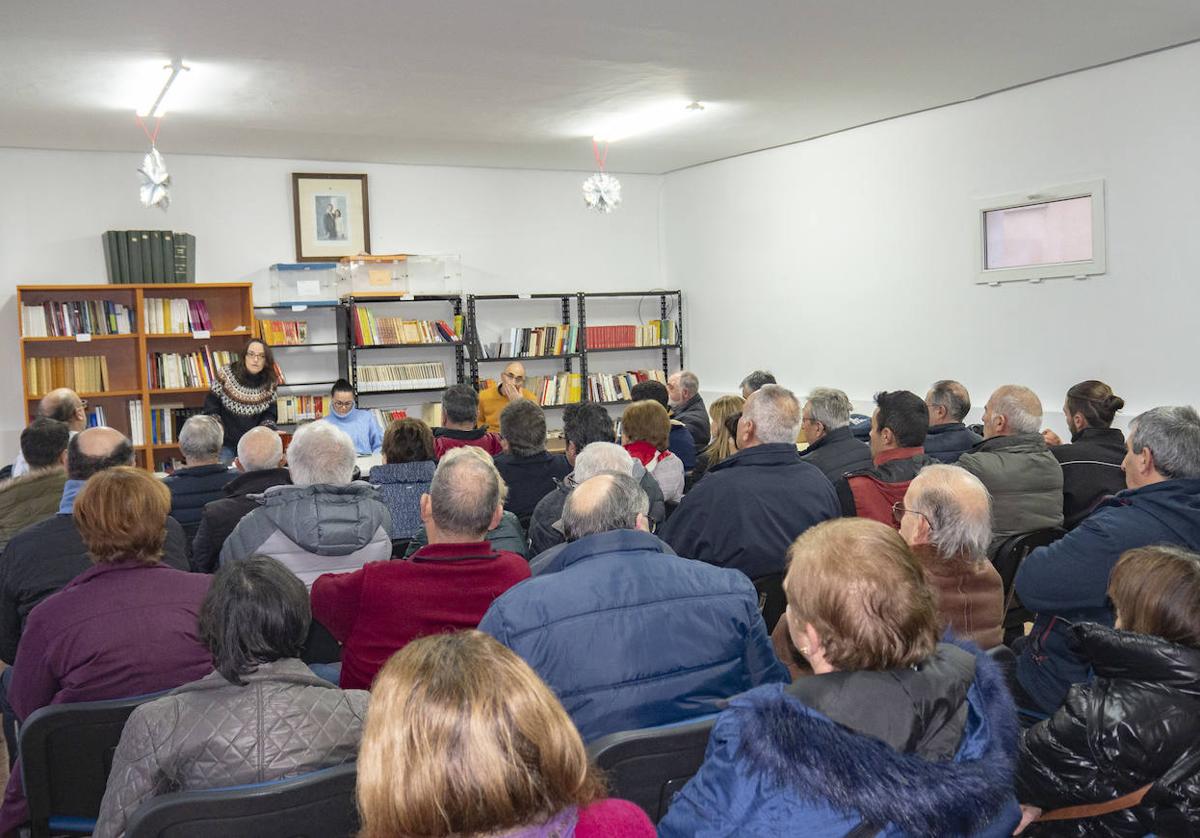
(1093, 189)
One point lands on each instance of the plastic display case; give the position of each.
(399, 275)
(305, 283)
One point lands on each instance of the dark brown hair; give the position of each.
(1155, 591)
(121, 514)
(407, 441)
(268, 375)
(1096, 401)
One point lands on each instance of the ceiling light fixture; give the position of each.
(158, 106)
(646, 120)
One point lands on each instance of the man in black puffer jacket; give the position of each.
(825, 422)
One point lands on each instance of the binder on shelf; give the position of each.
(149, 256)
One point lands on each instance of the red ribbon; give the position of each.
(600, 158)
(153, 138)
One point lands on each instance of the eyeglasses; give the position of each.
(898, 510)
(256, 355)
(808, 420)
(83, 403)
(344, 404)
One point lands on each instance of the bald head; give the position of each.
(951, 509)
(259, 449)
(464, 500)
(64, 405)
(1011, 410)
(96, 449)
(603, 503)
(516, 369)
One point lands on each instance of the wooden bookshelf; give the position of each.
(229, 307)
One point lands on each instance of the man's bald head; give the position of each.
(64, 405)
(609, 501)
(1018, 407)
(95, 449)
(259, 449)
(464, 497)
(516, 369)
(957, 507)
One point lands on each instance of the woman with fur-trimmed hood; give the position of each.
(895, 734)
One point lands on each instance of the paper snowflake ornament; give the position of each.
(602, 192)
(156, 181)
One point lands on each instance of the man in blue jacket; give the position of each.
(1067, 581)
(751, 506)
(627, 635)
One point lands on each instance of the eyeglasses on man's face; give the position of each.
(898, 510)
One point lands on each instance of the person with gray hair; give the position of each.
(260, 465)
(1015, 464)
(946, 518)
(526, 466)
(949, 438)
(687, 406)
(825, 421)
(755, 381)
(447, 585)
(752, 505)
(204, 478)
(63, 405)
(619, 582)
(1067, 581)
(323, 522)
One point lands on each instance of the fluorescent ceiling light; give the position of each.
(646, 120)
(156, 99)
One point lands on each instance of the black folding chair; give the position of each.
(771, 600)
(1007, 560)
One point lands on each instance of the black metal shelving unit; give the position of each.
(295, 308)
(349, 363)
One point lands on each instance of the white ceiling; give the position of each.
(524, 83)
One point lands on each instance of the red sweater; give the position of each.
(613, 818)
(375, 611)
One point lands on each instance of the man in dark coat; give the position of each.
(259, 465)
(687, 405)
(1067, 581)
(526, 466)
(826, 425)
(205, 476)
(948, 439)
(752, 505)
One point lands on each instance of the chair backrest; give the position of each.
(320, 804)
(771, 599)
(66, 755)
(649, 766)
(1013, 550)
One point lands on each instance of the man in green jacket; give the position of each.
(35, 495)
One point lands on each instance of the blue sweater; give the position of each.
(362, 428)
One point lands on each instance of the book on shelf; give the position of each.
(653, 333)
(431, 415)
(424, 375)
(177, 370)
(96, 418)
(535, 342)
(82, 373)
(377, 330)
(167, 420)
(558, 389)
(76, 317)
(284, 332)
(137, 431)
(617, 387)
(295, 409)
(149, 256)
(175, 315)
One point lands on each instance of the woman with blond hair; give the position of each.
(894, 734)
(463, 739)
(645, 433)
(723, 443)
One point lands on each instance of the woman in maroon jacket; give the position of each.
(126, 626)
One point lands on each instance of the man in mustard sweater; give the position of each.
(494, 399)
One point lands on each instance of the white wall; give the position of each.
(517, 231)
(847, 261)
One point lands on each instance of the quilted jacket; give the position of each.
(1024, 480)
(29, 499)
(210, 733)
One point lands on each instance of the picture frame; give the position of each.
(331, 215)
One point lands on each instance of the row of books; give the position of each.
(563, 388)
(425, 375)
(137, 430)
(149, 256)
(283, 332)
(78, 317)
(175, 315)
(96, 417)
(295, 409)
(431, 415)
(654, 333)
(616, 387)
(535, 342)
(372, 330)
(176, 370)
(166, 422)
(82, 373)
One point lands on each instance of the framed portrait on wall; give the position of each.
(332, 216)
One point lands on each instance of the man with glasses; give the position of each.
(63, 405)
(493, 400)
(359, 425)
(832, 448)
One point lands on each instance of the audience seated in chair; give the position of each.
(1137, 721)
(205, 477)
(460, 409)
(825, 421)
(262, 715)
(948, 438)
(446, 585)
(583, 424)
(756, 381)
(895, 732)
(463, 739)
(627, 635)
(1020, 473)
(63, 405)
(526, 466)
(1067, 581)
(323, 522)
(752, 505)
(721, 443)
(35, 495)
(360, 425)
(645, 427)
(122, 628)
(687, 407)
(407, 470)
(45, 556)
(259, 465)
(1091, 461)
(898, 427)
(680, 442)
